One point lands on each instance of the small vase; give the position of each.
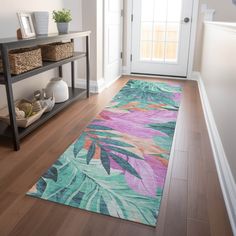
(63, 27)
(41, 19)
(59, 89)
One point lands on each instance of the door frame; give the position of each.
(105, 59)
(128, 38)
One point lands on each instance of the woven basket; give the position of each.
(57, 51)
(22, 60)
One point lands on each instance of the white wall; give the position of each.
(8, 27)
(8, 9)
(76, 25)
(225, 10)
(219, 76)
(93, 20)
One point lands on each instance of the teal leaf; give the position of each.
(167, 128)
(163, 142)
(58, 163)
(124, 151)
(40, 186)
(103, 206)
(98, 127)
(114, 142)
(79, 144)
(91, 152)
(78, 197)
(105, 161)
(51, 174)
(125, 165)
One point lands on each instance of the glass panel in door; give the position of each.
(160, 30)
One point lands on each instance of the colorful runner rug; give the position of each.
(118, 165)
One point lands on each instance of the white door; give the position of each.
(161, 37)
(113, 40)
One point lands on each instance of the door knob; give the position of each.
(186, 19)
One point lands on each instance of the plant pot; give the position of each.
(41, 19)
(59, 89)
(63, 27)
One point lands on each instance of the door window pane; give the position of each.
(160, 12)
(171, 52)
(160, 30)
(146, 31)
(146, 50)
(158, 51)
(147, 10)
(159, 33)
(172, 32)
(174, 10)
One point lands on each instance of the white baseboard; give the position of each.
(125, 70)
(109, 83)
(95, 86)
(195, 75)
(226, 178)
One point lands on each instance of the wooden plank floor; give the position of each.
(192, 203)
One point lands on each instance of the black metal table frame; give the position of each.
(9, 44)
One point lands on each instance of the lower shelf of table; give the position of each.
(75, 94)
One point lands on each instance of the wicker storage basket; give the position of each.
(57, 51)
(22, 60)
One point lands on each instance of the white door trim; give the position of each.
(128, 39)
(193, 37)
(105, 59)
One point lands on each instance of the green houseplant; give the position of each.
(62, 18)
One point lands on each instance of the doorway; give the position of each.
(161, 32)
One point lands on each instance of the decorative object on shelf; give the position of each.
(59, 89)
(44, 100)
(26, 25)
(37, 106)
(41, 19)
(57, 51)
(22, 60)
(48, 100)
(49, 103)
(19, 114)
(62, 18)
(37, 95)
(26, 107)
(26, 113)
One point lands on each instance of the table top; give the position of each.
(13, 42)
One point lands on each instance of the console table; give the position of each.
(7, 80)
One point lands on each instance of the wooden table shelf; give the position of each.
(5, 130)
(7, 80)
(46, 66)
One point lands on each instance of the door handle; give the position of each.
(186, 20)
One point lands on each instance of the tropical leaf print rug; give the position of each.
(118, 165)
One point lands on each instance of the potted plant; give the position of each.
(62, 18)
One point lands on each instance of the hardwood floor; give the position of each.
(192, 203)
